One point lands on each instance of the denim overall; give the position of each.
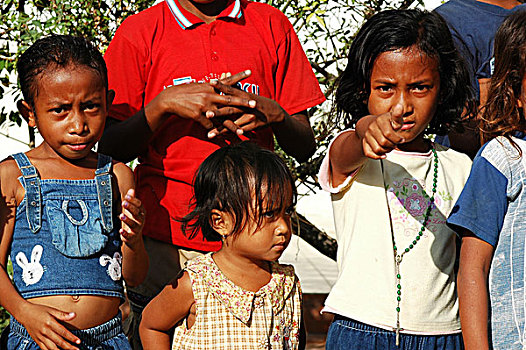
(66, 241)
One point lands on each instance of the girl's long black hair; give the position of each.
(399, 29)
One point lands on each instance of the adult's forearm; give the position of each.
(126, 140)
(295, 136)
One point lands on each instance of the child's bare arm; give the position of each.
(134, 256)
(374, 137)
(168, 308)
(41, 322)
(475, 261)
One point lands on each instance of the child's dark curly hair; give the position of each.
(243, 180)
(399, 29)
(501, 114)
(57, 51)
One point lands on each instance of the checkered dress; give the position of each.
(229, 317)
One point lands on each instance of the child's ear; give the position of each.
(221, 222)
(27, 112)
(109, 98)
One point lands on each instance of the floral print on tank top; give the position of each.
(409, 201)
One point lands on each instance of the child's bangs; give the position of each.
(274, 189)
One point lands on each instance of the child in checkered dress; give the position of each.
(239, 297)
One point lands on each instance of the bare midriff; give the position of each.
(90, 310)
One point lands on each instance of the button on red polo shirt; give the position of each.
(166, 45)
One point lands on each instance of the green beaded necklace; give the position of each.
(398, 257)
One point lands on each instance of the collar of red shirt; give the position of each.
(187, 19)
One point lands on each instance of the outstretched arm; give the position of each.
(374, 137)
(475, 261)
(173, 304)
(128, 139)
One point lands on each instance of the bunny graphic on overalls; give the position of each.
(31, 271)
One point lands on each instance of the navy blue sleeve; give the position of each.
(483, 203)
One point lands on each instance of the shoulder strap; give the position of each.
(104, 164)
(25, 166)
(31, 184)
(104, 190)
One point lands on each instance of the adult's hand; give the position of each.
(193, 100)
(263, 112)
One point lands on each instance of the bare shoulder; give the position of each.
(11, 194)
(182, 285)
(185, 293)
(179, 290)
(8, 166)
(177, 293)
(173, 304)
(9, 173)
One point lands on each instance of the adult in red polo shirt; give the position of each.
(160, 63)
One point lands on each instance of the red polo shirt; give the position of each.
(166, 45)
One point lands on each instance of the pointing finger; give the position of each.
(230, 79)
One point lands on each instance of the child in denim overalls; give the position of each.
(60, 205)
